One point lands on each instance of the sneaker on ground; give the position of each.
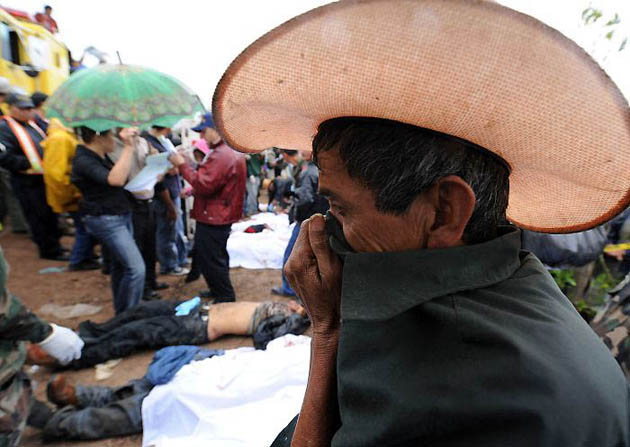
(85, 265)
(178, 271)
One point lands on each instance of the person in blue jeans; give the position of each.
(167, 207)
(306, 202)
(107, 208)
(82, 254)
(181, 242)
(286, 289)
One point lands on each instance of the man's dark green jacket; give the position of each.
(470, 346)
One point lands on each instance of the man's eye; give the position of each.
(337, 210)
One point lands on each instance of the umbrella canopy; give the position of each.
(121, 95)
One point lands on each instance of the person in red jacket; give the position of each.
(219, 191)
(45, 19)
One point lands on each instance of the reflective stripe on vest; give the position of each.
(27, 144)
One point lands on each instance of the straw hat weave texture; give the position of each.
(468, 68)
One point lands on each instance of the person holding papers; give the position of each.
(107, 207)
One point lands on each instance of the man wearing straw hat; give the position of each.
(435, 123)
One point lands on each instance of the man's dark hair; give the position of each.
(47, 7)
(38, 98)
(158, 128)
(88, 135)
(398, 161)
(290, 152)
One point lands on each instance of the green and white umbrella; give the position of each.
(109, 96)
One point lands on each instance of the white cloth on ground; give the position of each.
(259, 250)
(241, 399)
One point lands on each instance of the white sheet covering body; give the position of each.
(259, 250)
(241, 399)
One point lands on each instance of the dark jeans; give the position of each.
(144, 234)
(31, 194)
(214, 261)
(180, 240)
(149, 325)
(102, 412)
(83, 248)
(286, 287)
(116, 232)
(166, 238)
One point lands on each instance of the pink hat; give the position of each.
(202, 146)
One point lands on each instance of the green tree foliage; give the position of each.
(610, 26)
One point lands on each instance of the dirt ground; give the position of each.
(92, 287)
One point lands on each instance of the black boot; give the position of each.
(40, 414)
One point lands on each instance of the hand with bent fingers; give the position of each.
(314, 272)
(129, 136)
(176, 159)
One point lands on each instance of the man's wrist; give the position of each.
(326, 335)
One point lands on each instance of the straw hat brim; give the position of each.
(473, 69)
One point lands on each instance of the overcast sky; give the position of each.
(195, 40)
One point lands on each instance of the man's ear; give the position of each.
(454, 202)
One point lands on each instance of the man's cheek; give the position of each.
(354, 238)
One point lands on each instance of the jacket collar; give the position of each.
(383, 285)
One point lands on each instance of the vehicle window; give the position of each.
(5, 40)
(14, 41)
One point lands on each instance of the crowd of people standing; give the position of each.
(56, 172)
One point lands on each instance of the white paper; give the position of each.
(146, 179)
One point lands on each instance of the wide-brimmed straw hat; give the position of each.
(469, 68)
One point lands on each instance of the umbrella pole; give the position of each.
(119, 58)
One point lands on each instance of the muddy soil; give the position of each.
(92, 287)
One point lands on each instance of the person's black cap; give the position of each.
(19, 101)
(38, 98)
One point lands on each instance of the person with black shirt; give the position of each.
(167, 208)
(143, 217)
(21, 154)
(107, 208)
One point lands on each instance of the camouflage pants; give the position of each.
(15, 402)
(612, 324)
(11, 205)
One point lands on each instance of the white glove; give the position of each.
(63, 344)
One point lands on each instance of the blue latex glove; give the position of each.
(187, 306)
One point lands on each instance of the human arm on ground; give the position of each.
(63, 344)
(314, 272)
